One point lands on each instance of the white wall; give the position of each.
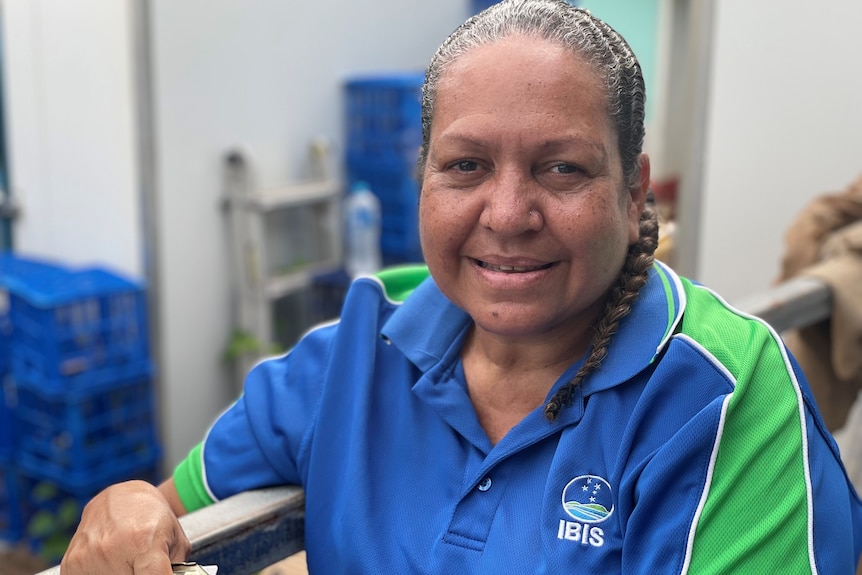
(265, 74)
(783, 125)
(71, 133)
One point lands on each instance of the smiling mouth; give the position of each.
(513, 269)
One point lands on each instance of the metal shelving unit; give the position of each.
(280, 238)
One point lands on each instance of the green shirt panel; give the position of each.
(755, 516)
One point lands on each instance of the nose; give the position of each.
(509, 205)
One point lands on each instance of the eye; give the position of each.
(466, 166)
(562, 176)
(565, 169)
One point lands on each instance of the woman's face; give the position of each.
(525, 218)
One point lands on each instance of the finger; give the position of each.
(180, 548)
(153, 563)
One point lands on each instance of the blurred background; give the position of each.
(183, 165)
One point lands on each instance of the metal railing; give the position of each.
(249, 531)
(795, 303)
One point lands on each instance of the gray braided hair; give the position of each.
(574, 28)
(622, 296)
(614, 62)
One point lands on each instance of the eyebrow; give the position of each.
(464, 139)
(550, 144)
(578, 141)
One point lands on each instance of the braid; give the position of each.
(622, 296)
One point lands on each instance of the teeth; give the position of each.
(513, 269)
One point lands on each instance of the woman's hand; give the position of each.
(129, 528)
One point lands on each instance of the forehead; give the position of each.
(521, 55)
(524, 76)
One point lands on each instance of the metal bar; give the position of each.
(248, 531)
(798, 302)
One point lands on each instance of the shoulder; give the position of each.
(745, 347)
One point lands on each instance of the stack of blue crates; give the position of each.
(78, 396)
(11, 507)
(477, 6)
(326, 296)
(383, 134)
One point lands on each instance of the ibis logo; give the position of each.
(587, 501)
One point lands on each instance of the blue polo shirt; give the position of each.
(696, 448)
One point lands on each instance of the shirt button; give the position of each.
(485, 484)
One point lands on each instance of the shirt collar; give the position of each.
(644, 332)
(427, 324)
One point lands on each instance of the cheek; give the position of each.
(428, 210)
(605, 229)
(442, 216)
(435, 224)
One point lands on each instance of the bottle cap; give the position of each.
(360, 186)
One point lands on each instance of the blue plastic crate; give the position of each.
(14, 273)
(399, 209)
(16, 269)
(327, 293)
(383, 118)
(5, 335)
(7, 412)
(11, 516)
(477, 6)
(82, 437)
(78, 328)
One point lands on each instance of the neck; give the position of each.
(550, 353)
(509, 379)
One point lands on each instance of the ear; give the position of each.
(638, 196)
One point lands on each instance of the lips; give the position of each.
(512, 269)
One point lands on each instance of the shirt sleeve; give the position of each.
(259, 440)
(752, 484)
(776, 498)
(188, 480)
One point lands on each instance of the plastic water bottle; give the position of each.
(362, 237)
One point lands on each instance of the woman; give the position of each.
(550, 399)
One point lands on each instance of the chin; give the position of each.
(510, 324)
